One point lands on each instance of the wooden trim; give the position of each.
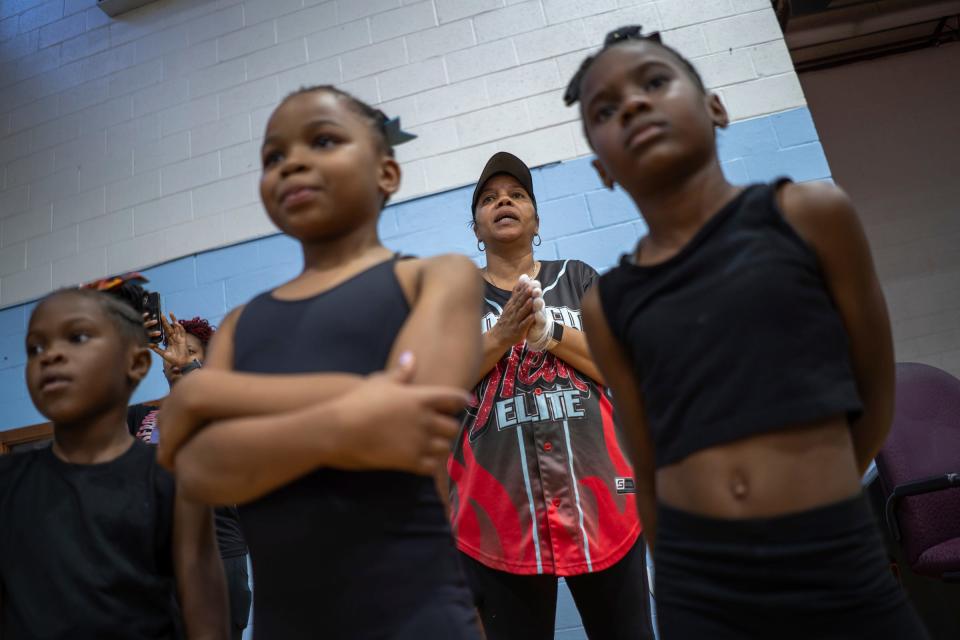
(11, 437)
(34, 432)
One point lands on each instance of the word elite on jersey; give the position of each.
(539, 406)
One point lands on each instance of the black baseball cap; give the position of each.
(503, 162)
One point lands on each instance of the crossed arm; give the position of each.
(258, 440)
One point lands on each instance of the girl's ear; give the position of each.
(718, 112)
(604, 176)
(389, 179)
(139, 364)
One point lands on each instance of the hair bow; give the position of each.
(631, 32)
(106, 284)
(392, 131)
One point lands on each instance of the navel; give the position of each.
(739, 487)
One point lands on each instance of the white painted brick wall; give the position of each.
(307, 21)
(138, 138)
(400, 22)
(80, 267)
(440, 40)
(495, 56)
(412, 78)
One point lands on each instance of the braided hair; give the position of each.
(119, 296)
(124, 308)
(387, 130)
(631, 33)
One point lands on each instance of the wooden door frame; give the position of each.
(34, 432)
(24, 435)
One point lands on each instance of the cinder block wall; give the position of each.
(133, 143)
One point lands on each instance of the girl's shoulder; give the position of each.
(220, 350)
(813, 203)
(437, 274)
(820, 212)
(454, 266)
(14, 465)
(454, 261)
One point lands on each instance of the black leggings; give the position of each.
(613, 603)
(817, 574)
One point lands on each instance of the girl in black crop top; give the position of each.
(748, 348)
(332, 466)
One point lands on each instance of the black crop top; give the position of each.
(735, 335)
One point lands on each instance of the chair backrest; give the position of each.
(924, 441)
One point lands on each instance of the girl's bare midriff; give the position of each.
(776, 473)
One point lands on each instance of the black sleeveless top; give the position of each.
(734, 336)
(339, 553)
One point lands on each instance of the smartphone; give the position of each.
(151, 306)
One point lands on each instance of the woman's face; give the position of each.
(505, 213)
(195, 350)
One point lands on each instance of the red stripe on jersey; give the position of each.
(540, 483)
(610, 439)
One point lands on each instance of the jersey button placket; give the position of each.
(553, 474)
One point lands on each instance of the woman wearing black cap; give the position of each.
(540, 485)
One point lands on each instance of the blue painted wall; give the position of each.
(579, 219)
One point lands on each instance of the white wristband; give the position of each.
(540, 334)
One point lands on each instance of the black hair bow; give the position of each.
(630, 32)
(394, 134)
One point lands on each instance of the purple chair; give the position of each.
(919, 467)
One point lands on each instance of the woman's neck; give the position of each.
(94, 440)
(508, 266)
(675, 212)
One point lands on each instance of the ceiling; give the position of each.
(829, 33)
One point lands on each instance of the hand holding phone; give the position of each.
(151, 308)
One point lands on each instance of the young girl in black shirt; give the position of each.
(748, 348)
(347, 535)
(95, 536)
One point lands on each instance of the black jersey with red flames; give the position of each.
(540, 483)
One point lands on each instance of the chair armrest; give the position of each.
(916, 488)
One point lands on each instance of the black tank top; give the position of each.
(338, 553)
(735, 335)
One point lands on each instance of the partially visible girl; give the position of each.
(332, 469)
(96, 537)
(184, 350)
(747, 344)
